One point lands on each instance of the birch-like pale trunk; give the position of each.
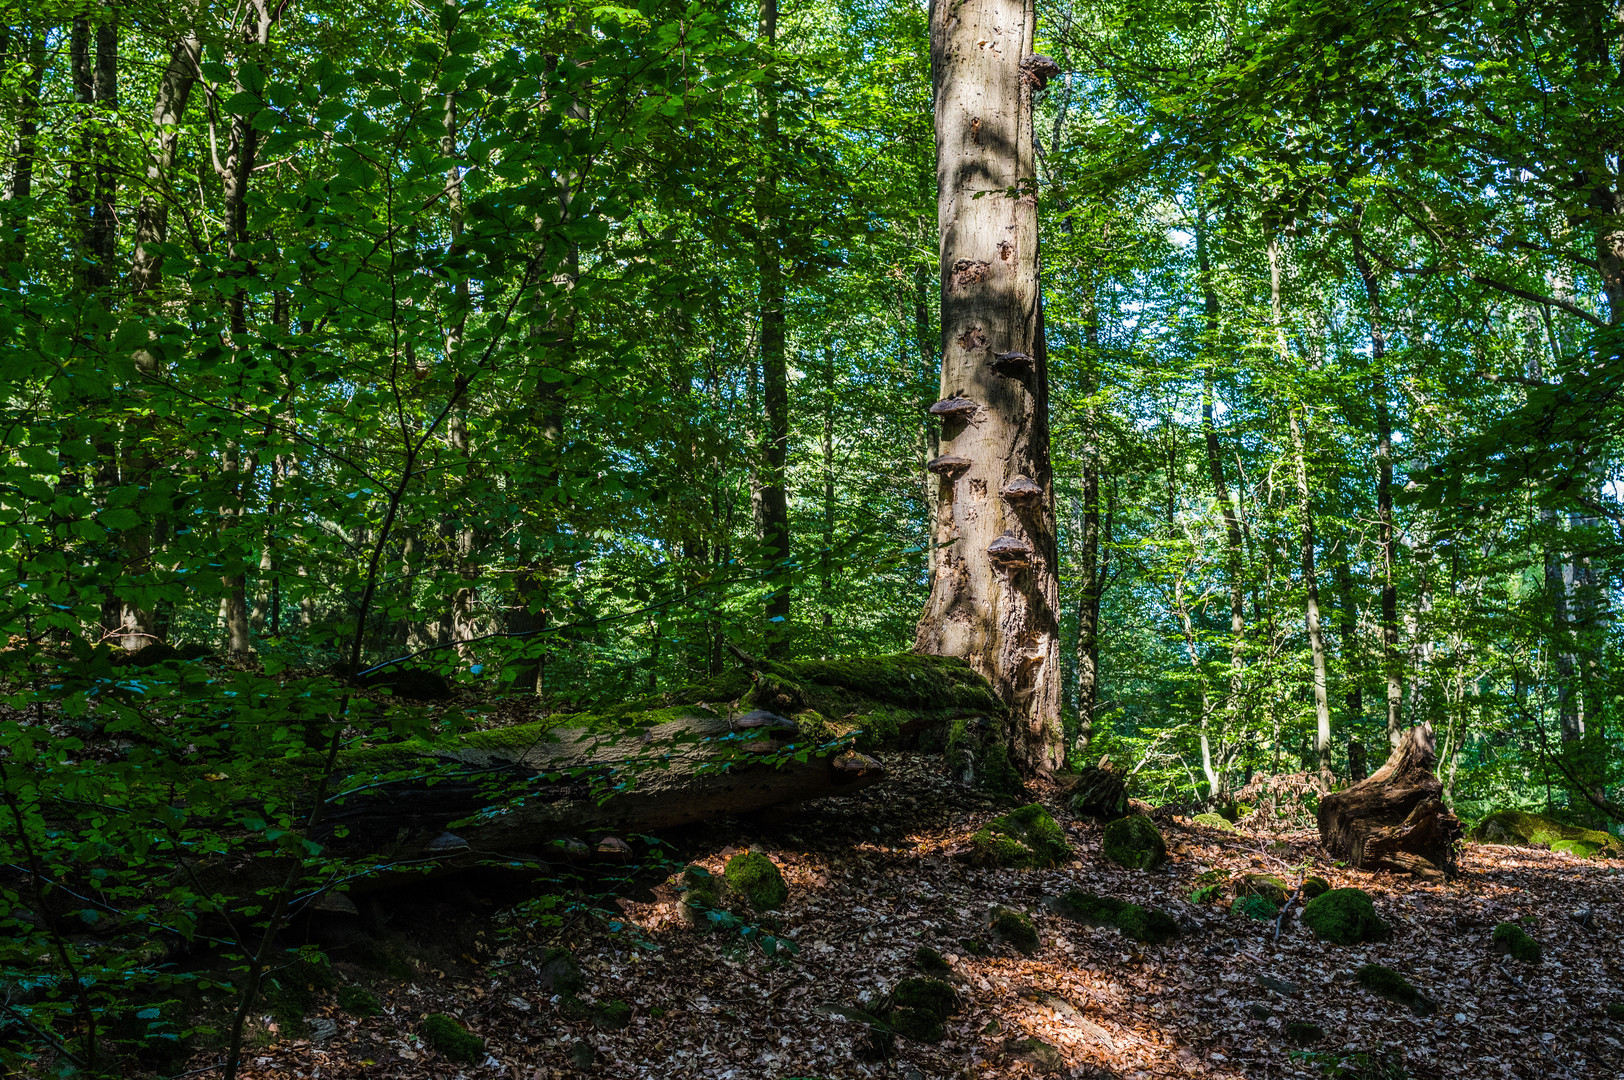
(994, 597)
(1296, 421)
(1235, 555)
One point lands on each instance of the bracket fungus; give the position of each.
(1013, 364)
(1010, 552)
(1021, 489)
(954, 408)
(948, 465)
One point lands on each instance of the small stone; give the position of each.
(582, 1054)
(1258, 1011)
(322, 1029)
(1460, 1018)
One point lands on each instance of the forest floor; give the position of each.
(873, 876)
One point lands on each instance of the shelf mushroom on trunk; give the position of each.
(1010, 552)
(949, 466)
(1021, 490)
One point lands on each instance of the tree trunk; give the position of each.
(1395, 818)
(775, 537)
(1387, 538)
(1234, 543)
(1296, 420)
(19, 189)
(1088, 556)
(994, 598)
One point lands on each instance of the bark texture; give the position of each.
(993, 599)
(1395, 818)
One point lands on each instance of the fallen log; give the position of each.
(1395, 818)
(645, 766)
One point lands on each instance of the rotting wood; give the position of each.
(1395, 819)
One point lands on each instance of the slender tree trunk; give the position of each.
(19, 189)
(1235, 553)
(994, 598)
(1348, 634)
(826, 558)
(1387, 537)
(775, 536)
(152, 211)
(79, 198)
(1088, 555)
(104, 220)
(1296, 421)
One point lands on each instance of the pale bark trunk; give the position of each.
(1296, 421)
(1234, 542)
(1387, 538)
(152, 212)
(994, 598)
(770, 298)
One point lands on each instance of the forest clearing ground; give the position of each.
(874, 876)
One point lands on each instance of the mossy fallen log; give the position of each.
(742, 742)
(1518, 828)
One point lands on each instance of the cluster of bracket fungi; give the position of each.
(1009, 551)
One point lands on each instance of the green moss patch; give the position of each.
(1344, 917)
(756, 880)
(1027, 838)
(1135, 843)
(1147, 924)
(919, 1007)
(1315, 887)
(1512, 940)
(612, 1015)
(1139, 923)
(1014, 929)
(1303, 1033)
(1268, 886)
(931, 962)
(1213, 821)
(358, 1001)
(1255, 908)
(1384, 982)
(1615, 1010)
(1521, 829)
(452, 1039)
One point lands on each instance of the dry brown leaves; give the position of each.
(873, 876)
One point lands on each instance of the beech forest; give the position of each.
(811, 539)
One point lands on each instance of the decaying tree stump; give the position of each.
(1098, 792)
(1395, 818)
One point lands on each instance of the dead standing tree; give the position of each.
(994, 594)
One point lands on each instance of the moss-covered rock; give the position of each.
(1134, 842)
(612, 1015)
(1303, 1033)
(1213, 821)
(450, 1038)
(1014, 929)
(1615, 1011)
(1044, 1058)
(1384, 982)
(1315, 887)
(559, 973)
(290, 994)
(1513, 941)
(1344, 917)
(1086, 907)
(1522, 829)
(358, 1000)
(1027, 838)
(1147, 924)
(977, 755)
(1255, 908)
(756, 880)
(931, 962)
(1269, 886)
(919, 1006)
(1139, 923)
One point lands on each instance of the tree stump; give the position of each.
(1100, 793)
(1395, 818)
